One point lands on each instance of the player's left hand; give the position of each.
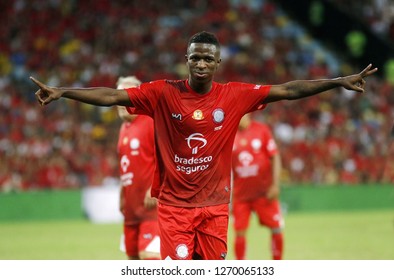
(46, 94)
(356, 82)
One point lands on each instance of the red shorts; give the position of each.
(141, 237)
(193, 233)
(267, 211)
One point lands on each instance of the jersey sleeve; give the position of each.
(145, 97)
(250, 96)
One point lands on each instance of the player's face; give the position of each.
(202, 62)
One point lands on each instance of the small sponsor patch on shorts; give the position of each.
(182, 251)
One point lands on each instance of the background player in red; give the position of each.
(195, 122)
(140, 238)
(388, 171)
(256, 177)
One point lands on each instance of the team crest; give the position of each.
(256, 144)
(134, 144)
(218, 115)
(198, 115)
(182, 251)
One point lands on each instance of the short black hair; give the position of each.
(205, 38)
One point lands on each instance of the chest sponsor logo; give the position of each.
(126, 177)
(246, 169)
(245, 158)
(189, 165)
(196, 137)
(124, 163)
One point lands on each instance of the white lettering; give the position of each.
(192, 160)
(192, 164)
(247, 171)
(177, 116)
(191, 169)
(127, 179)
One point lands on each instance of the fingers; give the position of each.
(42, 97)
(359, 84)
(362, 83)
(38, 97)
(37, 82)
(367, 71)
(39, 93)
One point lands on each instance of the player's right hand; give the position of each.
(46, 94)
(149, 201)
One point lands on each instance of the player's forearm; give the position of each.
(99, 96)
(300, 89)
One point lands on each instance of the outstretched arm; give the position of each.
(304, 88)
(99, 96)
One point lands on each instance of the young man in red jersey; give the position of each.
(256, 174)
(195, 124)
(136, 152)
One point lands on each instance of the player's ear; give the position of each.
(218, 63)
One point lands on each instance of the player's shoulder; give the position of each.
(165, 85)
(241, 86)
(163, 82)
(235, 84)
(178, 84)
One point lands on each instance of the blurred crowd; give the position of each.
(377, 14)
(336, 138)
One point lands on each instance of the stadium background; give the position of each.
(334, 146)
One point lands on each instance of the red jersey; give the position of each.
(194, 136)
(252, 170)
(136, 164)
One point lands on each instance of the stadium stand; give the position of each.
(328, 139)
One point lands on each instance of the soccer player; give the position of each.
(140, 238)
(256, 173)
(195, 123)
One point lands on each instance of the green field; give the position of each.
(357, 235)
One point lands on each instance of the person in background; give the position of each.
(388, 171)
(140, 239)
(195, 122)
(256, 165)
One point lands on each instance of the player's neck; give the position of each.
(200, 88)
